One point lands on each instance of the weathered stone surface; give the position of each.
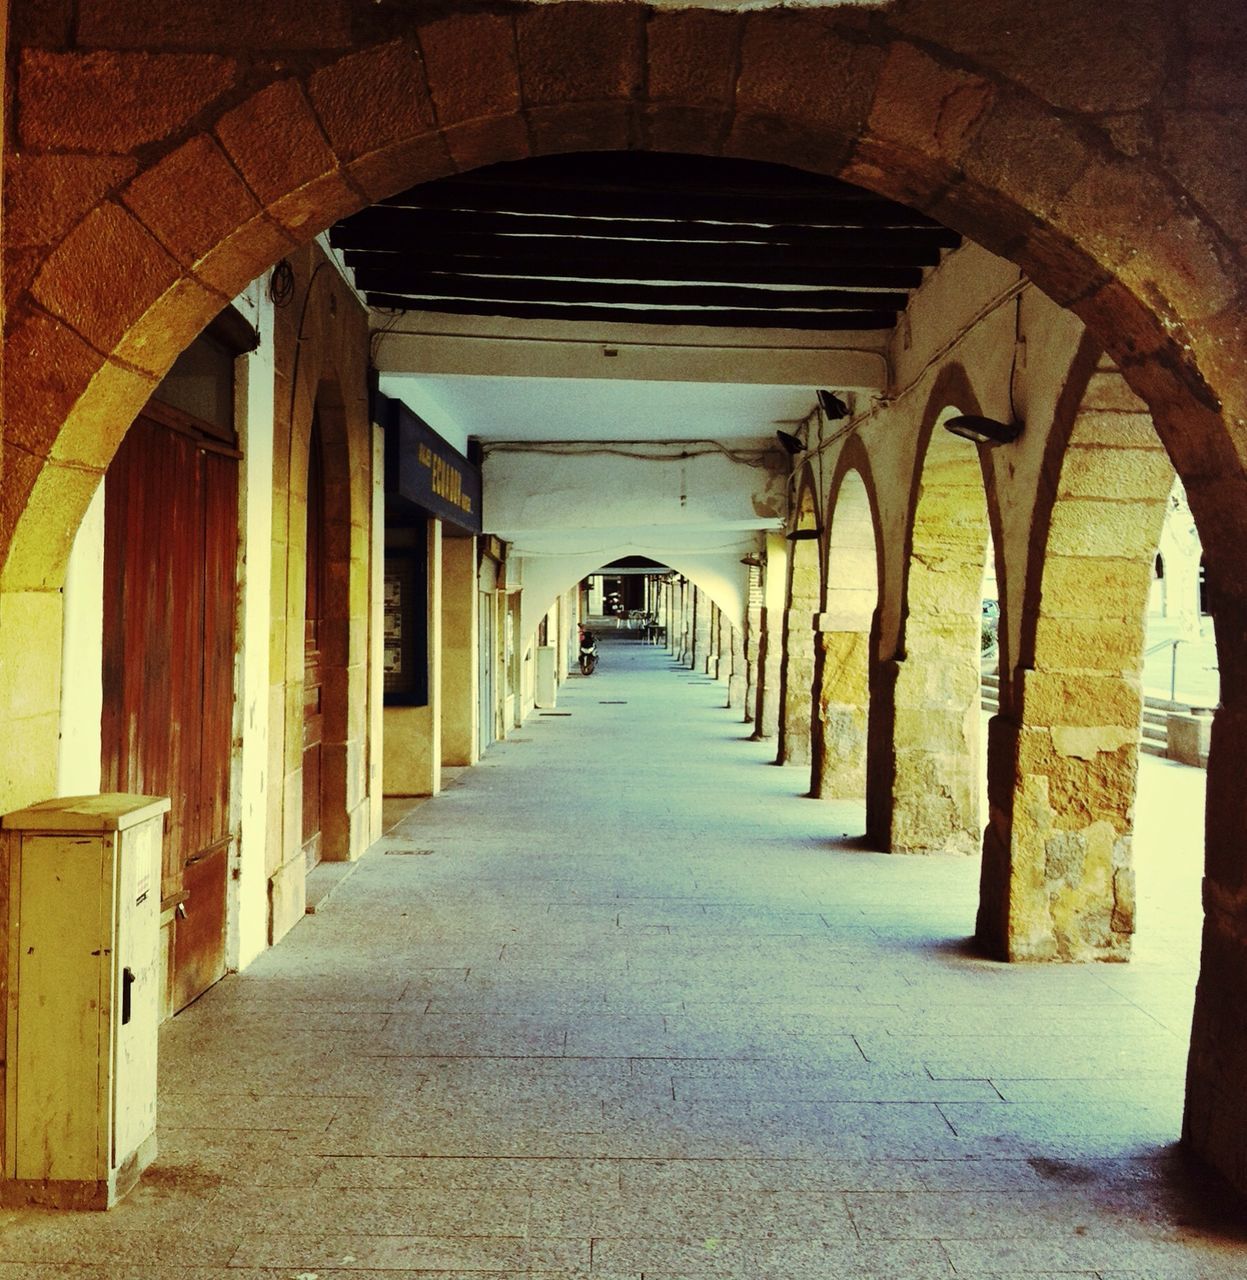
(275, 24)
(48, 366)
(1085, 742)
(113, 102)
(79, 280)
(492, 141)
(45, 195)
(370, 99)
(471, 65)
(190, 227)
(692, 57)
(579, 53)
(275, 141)
(1108, 644)
(804, 89)
(1084, 699)
(392, 169)
(1021, 151)
(1119, 474)
(1119, 530)
(1193, 144)
(927, 105)
(1055, 50)
(1079, 586)
(1113, 428)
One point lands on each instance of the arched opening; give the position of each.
(934, 680)
(805, 587)
(1150, 270)
(1057, 877)
(847, 639)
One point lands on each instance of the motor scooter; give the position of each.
(588, 653)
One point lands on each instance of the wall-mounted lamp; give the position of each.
(980, 430)
(753, 560)
(832, 406)
(790, 442)
(802, 535)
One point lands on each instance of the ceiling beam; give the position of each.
(606, 264)
(420, 344)
(829, 321)
(721, 205)
(431, 284)
(384, 224)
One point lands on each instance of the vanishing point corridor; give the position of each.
(615, 1003)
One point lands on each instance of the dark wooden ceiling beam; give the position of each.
(433, 284)
(556, 256)
(659, 203)
(385, 225)
(716, 318)
(849, 271)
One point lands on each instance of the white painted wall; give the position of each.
(82, 656)
(253, 414)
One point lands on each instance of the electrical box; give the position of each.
(82, 1013)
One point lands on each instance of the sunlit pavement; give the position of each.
(619, 1002)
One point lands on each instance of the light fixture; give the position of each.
(753, 560)
(988, 431)
(802, 535)
(832, 406)
(790, 442)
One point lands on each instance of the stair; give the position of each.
(1154, 738)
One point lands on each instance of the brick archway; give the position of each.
(157, 154)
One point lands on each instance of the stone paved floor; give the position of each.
(619, 1003)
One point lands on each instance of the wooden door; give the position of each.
(313, 679)
(170, 555)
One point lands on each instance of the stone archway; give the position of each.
(161, 154)
(928, 738)
(847, 631)
(805, 589)
(1057, 881)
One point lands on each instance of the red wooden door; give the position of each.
(170, 552)
(313, 692)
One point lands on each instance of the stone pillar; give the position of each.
(770, 637)
(460, 645)
(738, 679)
(1215, 1120)
(935, 745)
(798, 681)
(701, 630)
(842, 681)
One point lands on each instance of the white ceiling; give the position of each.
(517, 409)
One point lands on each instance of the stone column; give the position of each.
(738, 680)
(460, 644)
(770, 636)
(842, 681)
(701, 630)
(798, 680)
(1215, 1121)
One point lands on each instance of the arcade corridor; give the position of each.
(690, 1030)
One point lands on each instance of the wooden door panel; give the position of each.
(170, 554)
(199, 938)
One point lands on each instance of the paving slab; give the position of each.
(643, 1011)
